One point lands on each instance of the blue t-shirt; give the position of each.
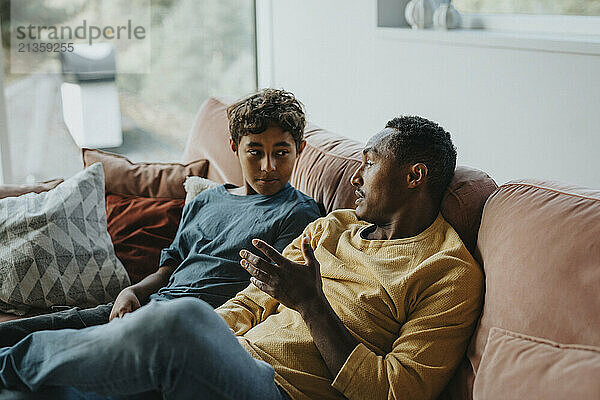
(215, 226)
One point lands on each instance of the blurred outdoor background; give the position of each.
(199, 48)
(565, 7)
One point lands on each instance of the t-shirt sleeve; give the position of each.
(294, 223)
(178, 251)
(430, 345)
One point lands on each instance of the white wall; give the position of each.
(512, 113)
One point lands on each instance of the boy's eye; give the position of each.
(254, 152)
(281, 152)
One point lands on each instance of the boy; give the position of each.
(267, 137)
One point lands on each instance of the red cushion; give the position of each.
(140, 227)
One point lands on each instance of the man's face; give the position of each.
(267, 160)
(381, 184)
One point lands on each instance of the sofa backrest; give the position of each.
(540, 246)
(324, 168)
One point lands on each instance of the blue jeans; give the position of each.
(180, 347)
(12, 332)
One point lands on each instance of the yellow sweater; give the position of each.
(412, 304)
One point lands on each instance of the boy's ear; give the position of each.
(234, 146)
(301, 147)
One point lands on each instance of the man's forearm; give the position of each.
(150, 284)
(333, 340)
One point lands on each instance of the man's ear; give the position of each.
(234, 146)
(301, 147)
(417, 175)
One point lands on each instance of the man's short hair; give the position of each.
(417, 139)
(264, 109)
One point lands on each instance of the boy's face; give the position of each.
(267, 159)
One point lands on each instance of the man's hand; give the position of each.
(126, 302)
(297, 286)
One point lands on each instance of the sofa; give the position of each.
(538, 243)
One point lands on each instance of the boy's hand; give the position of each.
(294, 285)
(126, 302)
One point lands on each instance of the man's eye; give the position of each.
(254, 152)
(281, 153)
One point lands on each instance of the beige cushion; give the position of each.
(464, 200)
(540, 243)
(144, 179)
(324, 168)
(209, 139)
(516, 366)
(18, 190)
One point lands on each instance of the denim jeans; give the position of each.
(180, 347)
(13, 331)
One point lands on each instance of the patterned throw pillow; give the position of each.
(55, 249)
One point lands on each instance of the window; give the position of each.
(198, 49)
(555, 17)
(556, 7)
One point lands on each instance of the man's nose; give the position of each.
(356, 178)
(267, 164)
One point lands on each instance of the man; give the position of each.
(267, 136)
(382, 308)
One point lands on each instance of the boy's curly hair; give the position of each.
(268, 107)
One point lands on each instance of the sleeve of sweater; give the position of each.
(251, 306)
(247, 309)
(430, 344)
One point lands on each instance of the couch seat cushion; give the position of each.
(516, 366)
(18, 190)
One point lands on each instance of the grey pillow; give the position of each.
(55, 249)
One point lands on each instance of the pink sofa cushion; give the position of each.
(209, 139)
(324, 169)
(145, 178)
(516, 366)
(17, 190)
(540, 245)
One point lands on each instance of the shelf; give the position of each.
(555, 43)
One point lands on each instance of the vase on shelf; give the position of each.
(446, 16)
(419, 13)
